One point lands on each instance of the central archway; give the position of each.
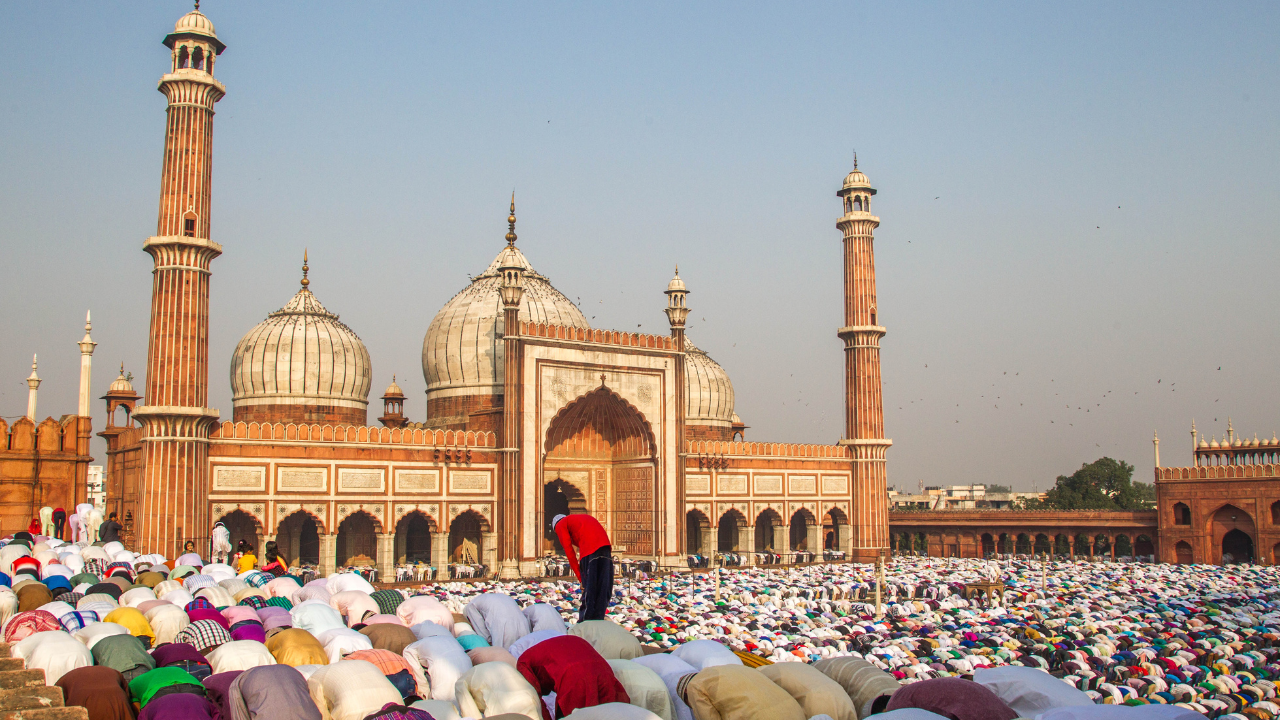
(602, 446)
(1233, 535)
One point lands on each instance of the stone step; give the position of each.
(20, 679)
(31, 698)
(61, 713)
(8, 663)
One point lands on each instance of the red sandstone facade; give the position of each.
(42, 465)
(1226, 504)
(979, 533)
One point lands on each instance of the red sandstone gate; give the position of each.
(604, 447)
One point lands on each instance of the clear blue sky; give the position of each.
(1078, 202)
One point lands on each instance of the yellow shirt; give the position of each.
(246, 563)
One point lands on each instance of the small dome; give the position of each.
(676, 284)
(708, 390)
(196, 23)
(301, 355)
(1204, 443)
(462, 351)
(1214, 443)
(856, 179)
(393, 390)
(121, 384)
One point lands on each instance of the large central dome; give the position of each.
(462, 353)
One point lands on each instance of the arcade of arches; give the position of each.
(302, 538)
(1070, 534)
(600, 458)
(732, 533)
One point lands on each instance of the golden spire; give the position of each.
(511, 222)
(305, 281)
(855, 159)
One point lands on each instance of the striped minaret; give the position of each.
(864, 411)
(173, 497)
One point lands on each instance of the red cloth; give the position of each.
(572, 668)
(35, 527)
(584, 531)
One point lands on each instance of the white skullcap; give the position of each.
(556, 520)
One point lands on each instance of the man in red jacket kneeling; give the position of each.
(596, 569)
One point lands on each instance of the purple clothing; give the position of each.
(172, 653)
(218, 689)
(249, 630)
(206, 614)
(952, 698)
(178, 706)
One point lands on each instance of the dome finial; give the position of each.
(511, 221)
(305, 281)
(855, 159)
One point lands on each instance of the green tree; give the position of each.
(997, 489)
(1104, 484)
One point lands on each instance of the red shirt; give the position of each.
(572, 668)
(584, 531)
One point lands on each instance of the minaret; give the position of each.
(512, 272)
(33, 382)
(864, 411)
(174, 490)
(86, 366)
(677, 312)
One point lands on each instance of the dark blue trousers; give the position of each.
(597, 584)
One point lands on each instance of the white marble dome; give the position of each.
(194, 22)
(301, 355)
(121, 384)
(856, 180)
(708, 390)
(462, 352)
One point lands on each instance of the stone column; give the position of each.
(845, 535)
(262, 548)
(813, 539)
(328, 554)
(780, 534)
(402, 544)
(746, 543)
(386, 562)
(708, 541)
(440, 554)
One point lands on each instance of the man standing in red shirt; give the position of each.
(596, 570)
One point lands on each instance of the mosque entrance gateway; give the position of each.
(601, 459)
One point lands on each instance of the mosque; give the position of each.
(531, 411)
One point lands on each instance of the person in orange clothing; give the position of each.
(595, 572)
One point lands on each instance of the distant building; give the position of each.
(959, 497)
(97, 488)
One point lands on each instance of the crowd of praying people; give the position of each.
(140, 637)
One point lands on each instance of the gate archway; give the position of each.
(606, 444)
(1232, 530)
